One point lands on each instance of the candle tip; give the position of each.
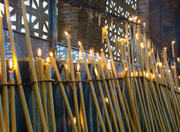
(79, 43)
(173, 42)
(11, 64)
(47, 59)
(51, 54)
(78, 67)
(39, 52)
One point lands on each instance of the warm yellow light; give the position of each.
(101, 50)
(109, 66)
(136, 73)
(131, 74)
(135, 18)
(179, 88)
(66, 66)
(126, 69)
(178, 59)
(139, 21)
(74, 119)
(169, 71)
(137, 36)
(165, 48)
(147, 74)
(142, 45)
(79, 43)
(159, 75)
(51, 54)
(159, 64)
(39, 52)
(47, 59)
(106, 27)
(78, 67)
(1, 15)
(178, 77)
(90, 51)
(106, 100)
(149, 53)
(144, 24)
(11, 64)
(172, 67)
(153, 76)
(123, 40)
(66, 33)
(173, 42)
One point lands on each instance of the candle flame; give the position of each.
(97, 55)
(109, 66)
(106, 27)
(159, 75)
(142, 45)
(66, 33)
(178, 59)
(159, 64)
(90, 51)
(79, 43)
(47, 59)
(147, 74)
(101, 50)
(173, 42)
(126, 69)
(178, 77)
(74, 119)
(11, 64)
(149, 53)
(1, 14)
(39, 52)
(78, 67)
(106, 100)
(137, 36)
(139, 21)
(51, 54)
(165, 48)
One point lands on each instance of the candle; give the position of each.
(12, 95)
(4, 77)
(119, 118)
(17, 71)
(80, 50)
(43, 85)
(94, 96)
(83, 120)
(71, 68)
(61, 86)
(50, 92)
(173, 42)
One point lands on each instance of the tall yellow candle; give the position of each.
(17, 71)
(4, 78)
(12, 95)
(71, 67)
(84, 120)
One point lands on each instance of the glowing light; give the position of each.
(149, 53)
(1, 15)
(173, 42)
(135, 18)
(178, 77)
(51, 54)
(159, 64)
(97, 55)
(142, 45)
(137, 36)
(109, 66)
(178, 59)
(144, 24)
(172, 66)
(165, 48)
(139, 21)
(106, 27)
(179, 88)
(153, 76)
(147, 74)
(90, 51)
(39, 52)
(136, 73)
(106, 100)
(169, 71)
(78, 67)
(47, 59)
(79, 43)
(131, 74)
(101, 50)
(66, 66)
(66, 33)
(122, 40)
(126, 69)
(159, 75)
(74, 119)
(11, 64)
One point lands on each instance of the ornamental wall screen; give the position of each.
(120, 8)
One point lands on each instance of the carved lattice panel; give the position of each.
(116, 30)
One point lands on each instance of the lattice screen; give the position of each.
(123, 8)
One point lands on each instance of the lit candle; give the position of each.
(63, 91)
(173, 42)
(12, 95)
(50, 92)
(80, 50)
(84, 120)
(16, 67)
(71, 68)
(4, 77)
(32, 68)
